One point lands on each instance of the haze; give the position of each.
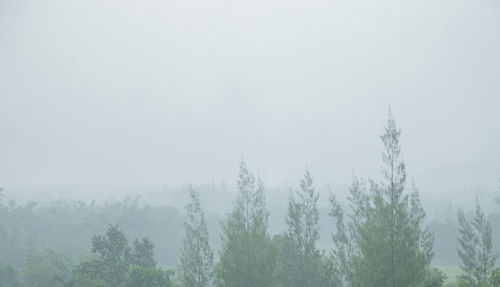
(144, 93)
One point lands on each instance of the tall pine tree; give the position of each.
(196, 269)
(300, 261)
(476, 249)
(385, 242)
(246, 257)
(346, 239)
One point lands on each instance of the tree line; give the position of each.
(381, 240)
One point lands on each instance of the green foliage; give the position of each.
(42, 267)
(328, 275)
(11, 250)
(80, 280)
(114, 255)
(476, 250)
(147, 277)
(300, 262)
(493, 280)
(113, 258)
(143, 253)
(8, 276)
(384, 242)
(433, 278)
(196, 269)
(380, 241)
(246, 257)
(66, 226)
(346, 239)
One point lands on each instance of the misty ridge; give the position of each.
(234, 143)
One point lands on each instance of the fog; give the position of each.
(125, 120)
(121, 94)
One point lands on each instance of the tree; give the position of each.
(8, 276)
(143, 253)
(147, 277)
(114, 255)
(90, 272)
(385, 242)
(42, 267)
(246, 257)
(79, 279)
(112, 258)
(301, 262)
(196, 268)
(346, 239)
(433, 278)
(476, 249)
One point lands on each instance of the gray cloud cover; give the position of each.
(164, 91)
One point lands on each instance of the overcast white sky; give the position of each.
(153, 92)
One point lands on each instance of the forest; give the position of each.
(380, 237)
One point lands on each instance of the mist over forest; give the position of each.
(329, 143)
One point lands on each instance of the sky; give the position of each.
(153, 92)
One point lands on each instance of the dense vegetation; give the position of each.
(381, 238)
